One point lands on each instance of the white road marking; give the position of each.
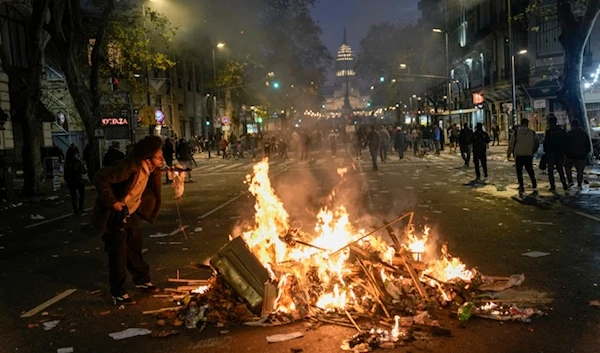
(53, 219)
(49, 302)
(597, 219)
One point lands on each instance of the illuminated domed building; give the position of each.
(344, 97)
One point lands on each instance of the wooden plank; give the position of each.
(162, 310)
(181, 280)
(415, 278)
(49, 302)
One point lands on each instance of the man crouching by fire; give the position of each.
(129, 189)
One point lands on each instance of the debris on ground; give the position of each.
(37, 217)
(535, 254)
(65, 350)
(130, 332)
(284, 337)
(49, 325)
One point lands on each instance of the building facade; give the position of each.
(344, 97)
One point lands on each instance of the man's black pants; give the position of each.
(74, 188)
(480, 158)
(527, 162)
(124, 250)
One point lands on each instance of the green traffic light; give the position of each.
(275, 84)
(382, 79)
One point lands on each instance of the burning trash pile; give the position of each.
(274, 274)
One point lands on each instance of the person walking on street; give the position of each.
(113, 154)
(495, 135)
(416, 137)
(464, 141)
(523, 144)
(480, 141)
(578, 148)
(454, 133)
(168, 152)
(184, 156)
(128, 190)
(223, 147)
(555, 147)
(373, 140)
(400, 142)
(74, 171)
(437, 137)
(385, 143)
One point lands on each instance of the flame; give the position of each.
(201, 289)
(316, 274)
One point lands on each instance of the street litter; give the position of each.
(535, 254)
(284, 337)
(49, 325)
(198, 229)
(594, 302)
(543, 223)
(65, 350)
(159, 235)
(37, 217)
(130, 332)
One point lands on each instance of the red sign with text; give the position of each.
(114, 121)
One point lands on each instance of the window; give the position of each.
(197, 88)
(158, 99)
(179, 83)
(156, 73)
(189, 85)
(547, 38)
(180, 106)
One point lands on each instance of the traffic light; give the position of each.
(276, 85)
(114, 84)
(382, 79)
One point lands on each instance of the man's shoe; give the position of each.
(123, 300)
(553, 188)
(579, 185)
(147, 287)
(565, 186)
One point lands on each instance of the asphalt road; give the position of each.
(485, 228)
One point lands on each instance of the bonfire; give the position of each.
(337, 274)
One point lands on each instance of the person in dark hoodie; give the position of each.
(523, 144)
(113, 154)
(480, 141)
(373, 140)
(578, 148)
(555, 147)
(464, 141)
(74, 171)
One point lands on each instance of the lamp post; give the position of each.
(438, 30)
(216, 108)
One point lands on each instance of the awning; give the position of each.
(457, 112)
(544, 89)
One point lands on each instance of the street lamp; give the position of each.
(439, 30)
(219, 46)
(514, 83)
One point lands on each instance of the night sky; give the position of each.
(358, 16)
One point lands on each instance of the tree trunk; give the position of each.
(570, 93)
(32, 158)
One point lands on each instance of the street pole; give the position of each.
(148, 98)
(215, 83)
(512, 65)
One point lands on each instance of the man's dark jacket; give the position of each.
(111, 156)
(555, 140)
(480, 139)
(114, 183)
(465, 137)
(578, 143)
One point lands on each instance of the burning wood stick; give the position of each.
(377, 293)
(375, 231)
(194, 281)
(397, 243)
(353, 322)
(334, 322)
(415, 279)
